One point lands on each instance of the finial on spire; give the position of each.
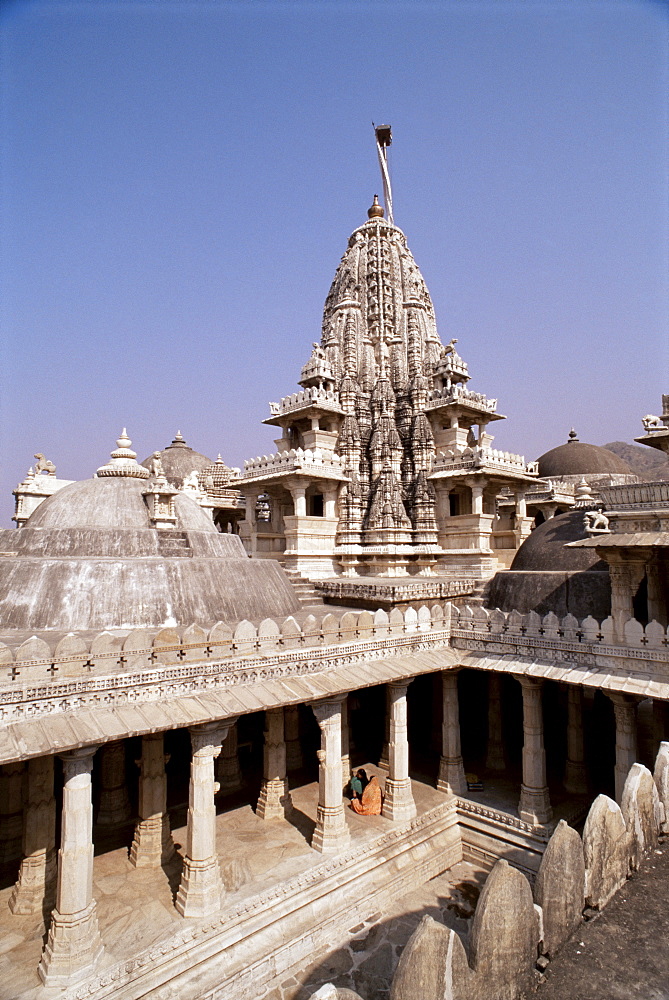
(384, 138)
(573, 436)
(123, 461)
(375, 212)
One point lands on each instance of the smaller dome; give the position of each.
(215, 478)
(178, 461)
(544, 550)
(577, 458)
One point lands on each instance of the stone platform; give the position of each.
(387, 592)
(294, 905)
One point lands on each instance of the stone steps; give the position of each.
(304, 589)
(173, 544)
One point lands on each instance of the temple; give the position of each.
(385, 466)
(194, 659)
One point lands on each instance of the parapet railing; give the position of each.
(477, 457)
(297, 458)
(35, 660)
(324, 398)
(482, 623)
(437, 397)
(142, 648)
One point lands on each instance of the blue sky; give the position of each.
(179, 181)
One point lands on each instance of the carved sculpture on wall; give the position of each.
(44, 465)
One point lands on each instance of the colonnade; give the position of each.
(63, 881)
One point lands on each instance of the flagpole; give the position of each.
(383, 135)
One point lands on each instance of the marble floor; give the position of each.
(135, 906)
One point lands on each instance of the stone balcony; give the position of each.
(636, 496)
(323, 399)
(443, 397)
(484, 459)
(317, 463)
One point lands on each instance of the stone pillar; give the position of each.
(521, 505)
(660, 723)
(495, 751)
(345, 748)
(477, 499)
(152, 845)
(11, 810)
(274, 799)
(330, 498)
(228, 771)
(534, 806)
(451, 768)
(624, 707)
(35, 889)
(331, 833)
(575, 774)
(398, 803)
(384, 760)
(291, 722)
(298, 494)
(73, 946)
(657, 596)
(250, 528)
(201, 886)
(625, 579)
(114, 802)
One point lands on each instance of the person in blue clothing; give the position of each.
(359, 782)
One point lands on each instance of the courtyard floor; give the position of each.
(136, 907)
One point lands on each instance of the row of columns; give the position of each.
(65, 880)
(73, 945)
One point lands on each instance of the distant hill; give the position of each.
(649, 464)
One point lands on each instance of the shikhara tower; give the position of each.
(384, 465)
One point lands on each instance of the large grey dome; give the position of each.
(90, 557)
(577, 458)
(545, 550)
(545, 576)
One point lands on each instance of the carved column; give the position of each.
(625, 579)
(384, 760)
(660, 723)
(495, 750)
(398, 804)
(73, 946)
(152, 844)
(35, 889)
(11, 810)
(274, 799)
(298, 493)
(345, 750)
(291, 721)
(114, 802)
(657, 596)
(624, 707)
(451, 768)
(330, 497)
(201, 886)
(575, 775)
(477, 499)
(228, 771)
(534, 806)
(331, 833)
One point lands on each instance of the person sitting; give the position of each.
(358, 783)
(369, 804)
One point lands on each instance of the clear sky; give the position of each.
(179, 181)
